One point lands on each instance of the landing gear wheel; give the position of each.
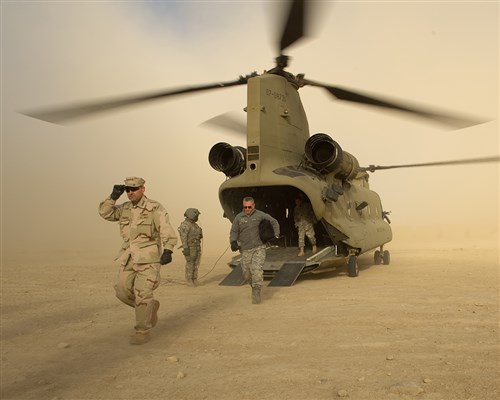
(352, 266)
(377, 258)
(386, 257)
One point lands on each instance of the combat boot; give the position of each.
(154, 314)
(140, 338)
(301, 252)
(190, 282)
(315, 249)
(256, 295)
(195, 282)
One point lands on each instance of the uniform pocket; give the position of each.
(125, 228)
(144, 228)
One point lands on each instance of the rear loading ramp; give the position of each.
(283, 266)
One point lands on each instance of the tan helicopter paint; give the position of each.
(277, 130)
(366, 228)
(276, 121)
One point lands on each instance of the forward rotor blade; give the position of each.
(62, 114)
(373, 168)
(229, 122)
(455, 121)
(294, 27)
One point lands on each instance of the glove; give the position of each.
(185, 251)
(166, 257)
(234, 245)
(117, 191)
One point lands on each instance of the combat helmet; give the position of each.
(192, 214)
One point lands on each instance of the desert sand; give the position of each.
(425, 327)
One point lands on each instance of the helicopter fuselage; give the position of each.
(282, 160)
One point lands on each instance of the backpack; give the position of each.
(266, 231)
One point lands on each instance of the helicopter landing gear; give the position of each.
(386, 257)
(382, 256)
(352, 266)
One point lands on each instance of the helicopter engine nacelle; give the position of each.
(231, 160)
(326, 156)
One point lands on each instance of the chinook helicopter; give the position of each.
(282, 160)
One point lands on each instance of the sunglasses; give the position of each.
(131, 188)
(247, 206)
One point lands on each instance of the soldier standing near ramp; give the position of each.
(304, 218)
(147, 233)
(191, 235)
(245, 229)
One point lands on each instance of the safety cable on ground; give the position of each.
(215, 263)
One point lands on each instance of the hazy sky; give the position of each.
(442, 54)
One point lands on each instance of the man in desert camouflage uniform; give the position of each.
(304, 218)
(147, 233)
(191, 235)
(245, 230)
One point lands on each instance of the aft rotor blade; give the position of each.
(229, 122)
(62, 114)
(373, 168)
(294, 27)
(455, 121)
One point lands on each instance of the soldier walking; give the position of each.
(245, 230)
(191, 234)
(148, 242)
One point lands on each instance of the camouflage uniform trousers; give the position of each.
(252, 261)
(134, 287)
(306, 229)
(193, 262)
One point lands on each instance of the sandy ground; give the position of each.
(424, 327)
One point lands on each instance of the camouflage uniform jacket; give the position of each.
(304, 212)
(145, 229)
(245, 228)
(190, 233)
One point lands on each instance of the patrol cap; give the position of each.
(192, 213)
(134, 181)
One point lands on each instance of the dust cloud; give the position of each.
(53, 177)
(428, 323)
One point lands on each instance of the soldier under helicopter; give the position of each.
(245, 230)
(191, 234)
(304, 219)
(148, 241)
